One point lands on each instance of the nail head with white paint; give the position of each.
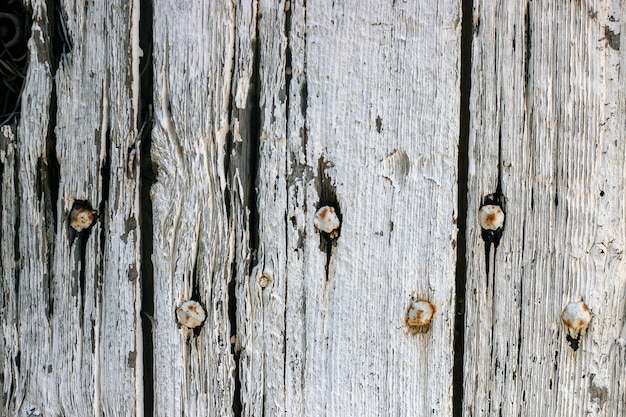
(576, 318)
(419, 316)
(491, 217)
(326, 220)
(190, 314)
(82, 218)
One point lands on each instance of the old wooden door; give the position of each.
(205, 135)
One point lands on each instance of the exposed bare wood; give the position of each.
(547, 122)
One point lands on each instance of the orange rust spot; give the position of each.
(418, 319)
(491, 217)
(568, 323)
(580, 324)
(324, 213)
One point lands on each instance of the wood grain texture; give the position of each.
(72, 333)
(194, 229)
(547, 108)
(360, 101)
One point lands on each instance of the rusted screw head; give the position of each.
(418, 316)
(327, 221)
(190, 314)
(491, 217)
(82, 218)
(576, 318)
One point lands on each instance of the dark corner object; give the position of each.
(14, 33)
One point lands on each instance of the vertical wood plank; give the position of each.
(547, 119)
(361, 103)
(74, 334)
(196, 229)
(96, 290)
(26, 229)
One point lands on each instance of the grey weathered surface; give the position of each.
(194, 232)
(70, 314)
(361, 101)
(547, 120)
(263, 111)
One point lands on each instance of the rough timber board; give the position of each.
(194, 243)
(72, 335)
(548, 115)
(369, 108)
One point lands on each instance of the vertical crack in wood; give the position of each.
(527, 53)
(252, 153)
(463, 171)
(105, 179)
(146, 180)
(242, 166)
(16, 230)
(328, 197)
(230, 173)
(51, 184)
(287, 88)
(288, 70)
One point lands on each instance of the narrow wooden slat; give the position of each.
(96, 292)
(361, 101)
(26, 234)
(196, 230)
(75, 337)
(547, 119)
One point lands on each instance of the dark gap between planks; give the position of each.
(462, 168)
(146, 180)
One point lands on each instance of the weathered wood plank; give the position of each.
(195, 227)
(74, 336)
(358, 103)
(24, 313)
(548, 115)
(96, 283)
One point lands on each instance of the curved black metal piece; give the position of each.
(14, 34)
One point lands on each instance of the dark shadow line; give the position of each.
(462, 172)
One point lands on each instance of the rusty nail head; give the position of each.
(190, 314)
(327, 221)
(576, 318)
(491, 217)
(419, 316)
(82, 218)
